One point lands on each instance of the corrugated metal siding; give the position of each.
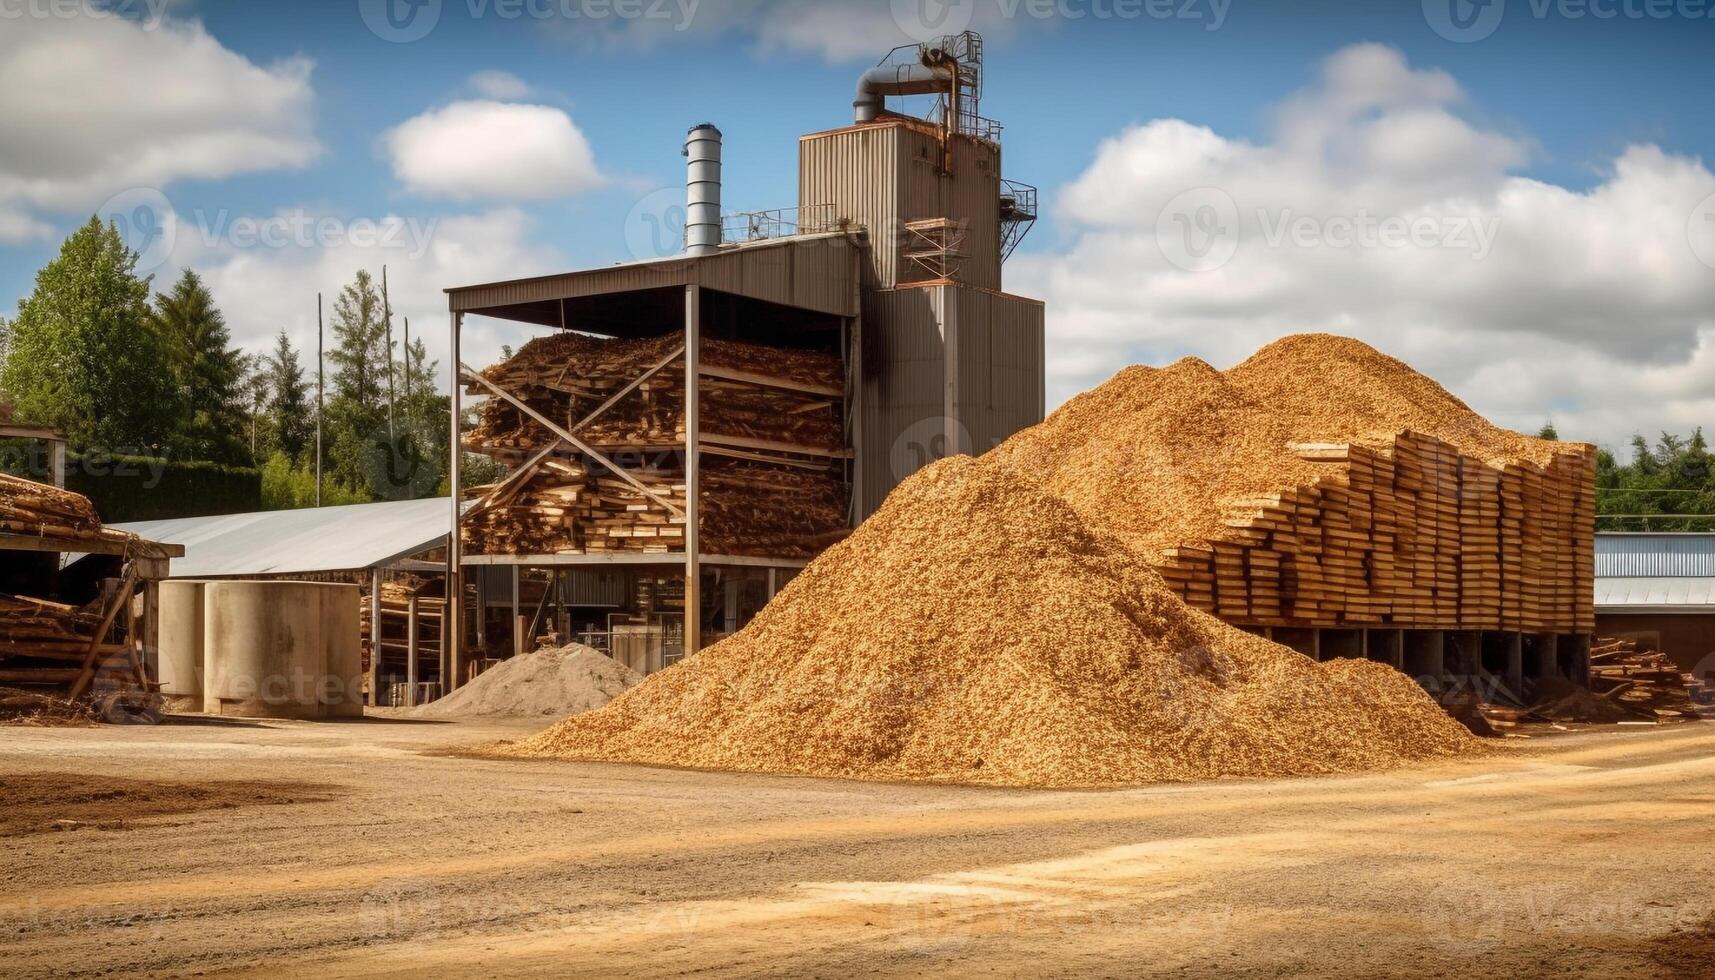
(1655, 555)
(916, 410)
(904, 385)
(883, 176)
(857, 171)
(813, 273)
(593, 587)
(1000, 365)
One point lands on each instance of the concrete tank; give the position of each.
(282, 649)
(181, 641)
(342, 649)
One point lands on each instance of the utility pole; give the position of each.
(407, 361)
(387, 314)
(320, 401)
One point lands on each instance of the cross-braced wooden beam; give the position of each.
(566, 436)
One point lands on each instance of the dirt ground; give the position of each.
(363, 848)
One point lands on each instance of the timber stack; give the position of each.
(60, 648)
(395, 634)
(772, 443)
(1323, 485)
(1403, 528)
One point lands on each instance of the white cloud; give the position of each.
(263, 289)
(91, 106)
(1588, 305)
(837, 31)
(17, 227)
(501, 85)
(493, 150)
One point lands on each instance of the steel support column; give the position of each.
(452, 627)
(693, 510)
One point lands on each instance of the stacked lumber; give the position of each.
(1647, 682)
(1322, 484)
(568, 376)
(772, 450)
(1404, 530)
(395, 630)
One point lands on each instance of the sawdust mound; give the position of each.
(547, 683)
(1153, 454)
(976, 631)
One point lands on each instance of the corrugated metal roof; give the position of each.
(1658, 593)
(325, 539)
(1641, 555)
(810, 272)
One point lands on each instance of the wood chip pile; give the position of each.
(1323, 484)
(772, 436)
(978, 630)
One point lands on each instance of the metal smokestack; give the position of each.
(702, 190)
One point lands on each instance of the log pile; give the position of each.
(54, 647)
(39, 510)
(1404, 530)
(772, 437)
(50, 646)
(1646, 682)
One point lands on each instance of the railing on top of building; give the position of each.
(756, 226)
(970, 122)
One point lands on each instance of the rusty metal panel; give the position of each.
(811, 272)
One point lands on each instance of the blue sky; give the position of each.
(1568, 95)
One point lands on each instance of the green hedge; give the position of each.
(138, 488)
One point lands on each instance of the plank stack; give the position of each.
(1322, 484)
(395, 630)
(772, 445)
(1404, 530)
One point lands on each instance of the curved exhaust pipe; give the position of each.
(934, 72)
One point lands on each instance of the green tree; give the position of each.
(256, 391)
(357, 411)
(1669, 486)
(1548, 432)
(207, 369)
(82, 355)
(288, 486)
(290, 414)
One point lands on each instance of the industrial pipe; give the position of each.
(702, 190)
(883, 80)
